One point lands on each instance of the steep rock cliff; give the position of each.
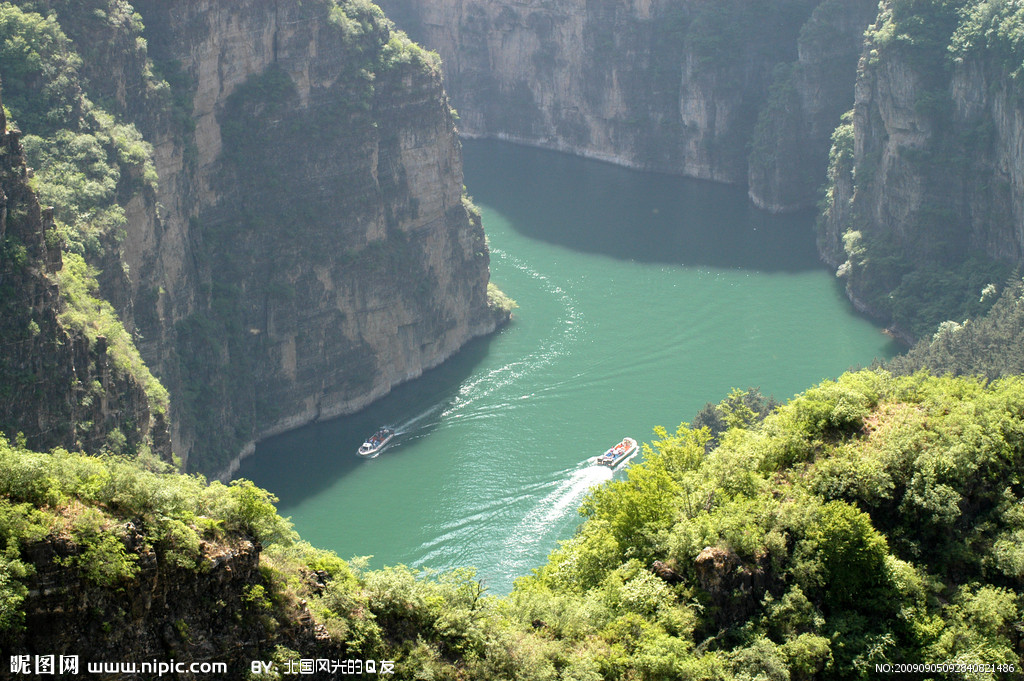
(790, 146)
(68, 377)
(165, 613)
(307, 246)
(628, 81)
(925, 202)
(675, 87)
(334, 253)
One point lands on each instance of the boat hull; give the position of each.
(619, 454)
(370, 450)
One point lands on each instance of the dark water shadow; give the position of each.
(329, 447)
(593, 207)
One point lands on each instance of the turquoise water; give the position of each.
(641, 298)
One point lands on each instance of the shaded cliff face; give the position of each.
(66, 379)
(676, 87)
(166, 613)
(306, 246)
(925, 202)
(334, 256)
(987, 108)
(629, 81)
(790, 146)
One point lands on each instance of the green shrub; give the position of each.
(96, 318)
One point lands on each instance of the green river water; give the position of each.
(641, 298)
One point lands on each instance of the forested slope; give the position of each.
(268, 197)
(871, 520)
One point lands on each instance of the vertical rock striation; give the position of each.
(300, 243)
(626, 81)
(925, 201)
(789, 153)
(59, 385)
(313, 247)
(676, 87)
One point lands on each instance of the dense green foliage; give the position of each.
(995, 27)
(498, 300)
(741, 408)
(87, 311)
(872, 519)
(85, 162)
(917, 297)
(86, 499)
(85, 165)
(988, 345)
(923, 268)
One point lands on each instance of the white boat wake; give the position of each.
(566, 332)
(549, 511)
(407, 425)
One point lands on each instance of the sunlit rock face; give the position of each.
(308, 247)
(677, 87)
(58, 388)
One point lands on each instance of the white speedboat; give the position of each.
(620, 453)
(376, 442)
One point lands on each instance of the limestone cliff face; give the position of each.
(59, 387)
(807, 98)
(963, 174)
(968, 173)
(675, 87)
(616, 80)
(308, 247)
(987, 107)
(928, 177)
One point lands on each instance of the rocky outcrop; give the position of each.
(790, 147)
(307, 247)
(733, 587)
(58, 386)
(172, 613)
(988, 113)
(215, 613)
(666, 572)
(675, 87)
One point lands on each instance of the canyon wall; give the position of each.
(677, 87)
(807, 98)
(925, 205)
(333, 252)
(923, 182)
(941, 165)
(306, 245)
(66, 377)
